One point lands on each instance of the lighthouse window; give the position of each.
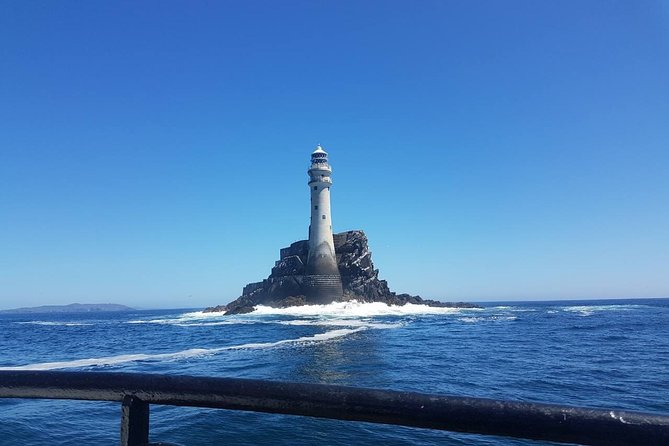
(315, 187)
(316, 207)
(323, 217)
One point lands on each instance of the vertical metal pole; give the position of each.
(134, 422)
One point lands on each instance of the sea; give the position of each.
(604, 354)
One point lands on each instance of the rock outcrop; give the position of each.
(360, 280)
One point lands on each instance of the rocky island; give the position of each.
(286, 284)
(325, 268)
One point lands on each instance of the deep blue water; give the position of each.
(612, 354)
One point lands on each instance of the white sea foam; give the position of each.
(110, 360)
(196, 318)
(589, 310)
(55, 324)
(209, 324)
(504, 318)
(355, 309)
(183, 322)
(184, 354)
(512, 308)
(472, 320)
(341, 323)
(328, 335)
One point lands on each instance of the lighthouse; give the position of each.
(323, 282)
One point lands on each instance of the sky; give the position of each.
(154, 153)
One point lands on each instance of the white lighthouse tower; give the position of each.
(323, 282)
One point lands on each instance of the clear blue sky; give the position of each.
(154, 153)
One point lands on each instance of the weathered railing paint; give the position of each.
(566, 424)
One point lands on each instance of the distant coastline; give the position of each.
(71, 308)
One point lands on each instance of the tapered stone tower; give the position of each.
(322, 283)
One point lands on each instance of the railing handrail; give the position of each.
(557, 423)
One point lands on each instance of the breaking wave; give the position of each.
(355, 309)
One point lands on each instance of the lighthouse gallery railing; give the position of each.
(460, 414)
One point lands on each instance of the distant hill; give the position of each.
(71, 308)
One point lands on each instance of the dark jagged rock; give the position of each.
(216, 309)
(285, 285)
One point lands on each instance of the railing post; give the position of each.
(134, 422)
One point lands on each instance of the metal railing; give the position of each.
(565, 424)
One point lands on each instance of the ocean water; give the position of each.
(611, 354)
